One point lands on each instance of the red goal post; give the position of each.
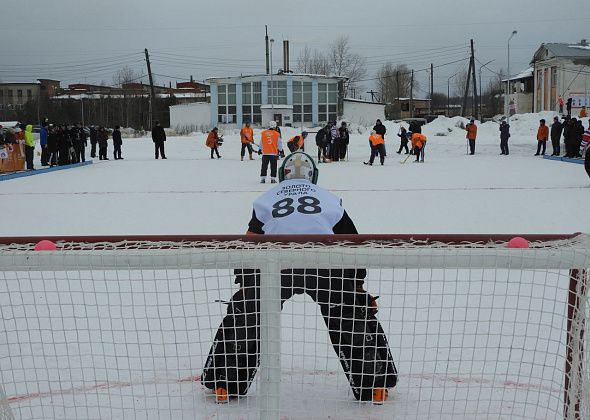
(552, 253)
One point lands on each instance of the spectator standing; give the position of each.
(504, 136)
(93, 141)
(159, 137)
(246, 138)
(471, 135)
(556, 129)
(103, 144)
(403, 136)
(212, 142)
(334, 142)
(583, 113)
(29, 147)
(344, 140)
(542, 136)
(560, 104)
(569, 106)
(43, 141)
(117, 143)
(52, 146)
(80, 144)
(321, 141)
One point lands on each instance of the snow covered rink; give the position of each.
(131, 344)
(189, 193)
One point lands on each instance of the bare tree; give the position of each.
(459, 83)
(121, 78)
(343, 62)
(304, 60)
(387, 82)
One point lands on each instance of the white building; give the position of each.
(362, 112)
(561, 70)
(292, 99)
(520, 93)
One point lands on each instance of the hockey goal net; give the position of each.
(122, 327)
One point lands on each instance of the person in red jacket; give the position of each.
(542, 136)
(212, 142)
(471, 129)
(377, 148)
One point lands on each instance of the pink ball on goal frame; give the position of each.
(45, 245)
(518, 242)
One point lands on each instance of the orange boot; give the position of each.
(221, 395)
(380, 395)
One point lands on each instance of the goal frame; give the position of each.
(390, 248)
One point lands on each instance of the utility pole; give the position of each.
(412, 95)
(431, 87)
(469, 71)
(266, 42)
(372, 95)
(397, 83)
(152, 91)
(474, 112)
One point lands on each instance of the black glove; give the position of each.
(282, 154)
(259, 151)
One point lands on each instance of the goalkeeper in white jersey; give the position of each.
(298, 206)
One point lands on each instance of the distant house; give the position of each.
(520, 95)
(561, 70)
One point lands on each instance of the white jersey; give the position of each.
(298, 207)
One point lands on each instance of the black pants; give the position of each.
(214, 150)
(541, 145)
(266, 159)
(93, 149)
(504, 145)
(377, 150)
(322, 152)
(335, 151)
(117, 151)
(52, 157)
(355, 332)
(80, 152)
(29, 155)
(159, 148)
(403, 145)
(44, 155)
(244, 147)
(471, 147)
(556, 146)
(102, 153)
(418, 151)
(343, 151)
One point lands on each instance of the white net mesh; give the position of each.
(123, 330)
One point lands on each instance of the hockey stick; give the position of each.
(406, 159)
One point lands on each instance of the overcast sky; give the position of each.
(88, 41)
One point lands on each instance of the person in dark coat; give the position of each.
(344, 140)
(52, 146)
(322, 139)
(504, 136)
(380, 129)
(93, 141)
(117, 143)
(569, 107)
(159, 137)
(79, 137)
(103, 143)
(43, 139)
(556, 129)
(334, 142)
(64, 144)
(403, 136)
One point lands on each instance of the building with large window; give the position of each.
(290, 99)
(561, 70)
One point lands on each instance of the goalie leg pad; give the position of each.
(357, 337)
